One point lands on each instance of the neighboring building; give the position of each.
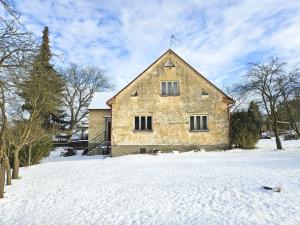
(169, 106)
(100, 118)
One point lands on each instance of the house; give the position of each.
(169, 106)
(99, 120)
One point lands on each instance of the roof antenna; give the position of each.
(172, 40)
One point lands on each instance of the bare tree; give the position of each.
(241, 101)
(268, 81)
(21, 134)
(81, 85)
(9, 9)
(289, 96)
(35, 89)
(3, 127)
(4, 89)
(15, 45)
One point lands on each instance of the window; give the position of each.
(204, 122)
(175, 88)
(198, 122)
(143, 123)
(149, 122)
(169, 88)
(136, 123)
(163, 88)
(204, 92)
(135, 93)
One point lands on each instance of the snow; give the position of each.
(186, 188)
(99, 100)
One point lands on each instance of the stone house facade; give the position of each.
(169, 106)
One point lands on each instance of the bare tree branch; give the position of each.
(81, 84)
(271, 82)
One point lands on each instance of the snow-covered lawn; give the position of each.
(186, 188)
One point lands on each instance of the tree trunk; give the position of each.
(16, 166)
(294, 125)
(291, 117)
(69, 133)
(278, 142)
(8, 172)
(29, 155)
(2, 178)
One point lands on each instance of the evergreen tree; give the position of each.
(41, 89)
(245, 127)
(256, 117)
(31, 155)
(44, 74)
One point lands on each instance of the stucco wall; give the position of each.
(97, 122)
(170, 115)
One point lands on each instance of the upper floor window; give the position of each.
(198, 123)
(143, 123)
(169, 88)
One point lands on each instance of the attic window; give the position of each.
(169, 88)
(169, 64)
(135, 93)
(204, 92)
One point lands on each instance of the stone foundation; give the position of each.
(119, 150)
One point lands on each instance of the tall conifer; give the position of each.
(45, 75)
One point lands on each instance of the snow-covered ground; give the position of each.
(186, 188)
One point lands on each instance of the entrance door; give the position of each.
(107, 129)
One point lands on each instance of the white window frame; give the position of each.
(167, 89)
(201, 122)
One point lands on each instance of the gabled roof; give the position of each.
(99, 100)
(172, 52)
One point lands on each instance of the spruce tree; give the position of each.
(41, 90)
(44, 74)
(256, 117)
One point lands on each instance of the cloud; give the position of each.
(217, 37)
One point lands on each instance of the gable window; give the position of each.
(143, 123)
(198, 122)
(204, 93)
(169, 88)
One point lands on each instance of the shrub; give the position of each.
(38, 151)
(245, 127)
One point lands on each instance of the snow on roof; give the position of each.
(99, 100)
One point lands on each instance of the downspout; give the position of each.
(230, 105)
(111, 129)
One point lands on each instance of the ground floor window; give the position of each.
(143, 123)
(198, 122)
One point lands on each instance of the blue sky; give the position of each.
(216, 37)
